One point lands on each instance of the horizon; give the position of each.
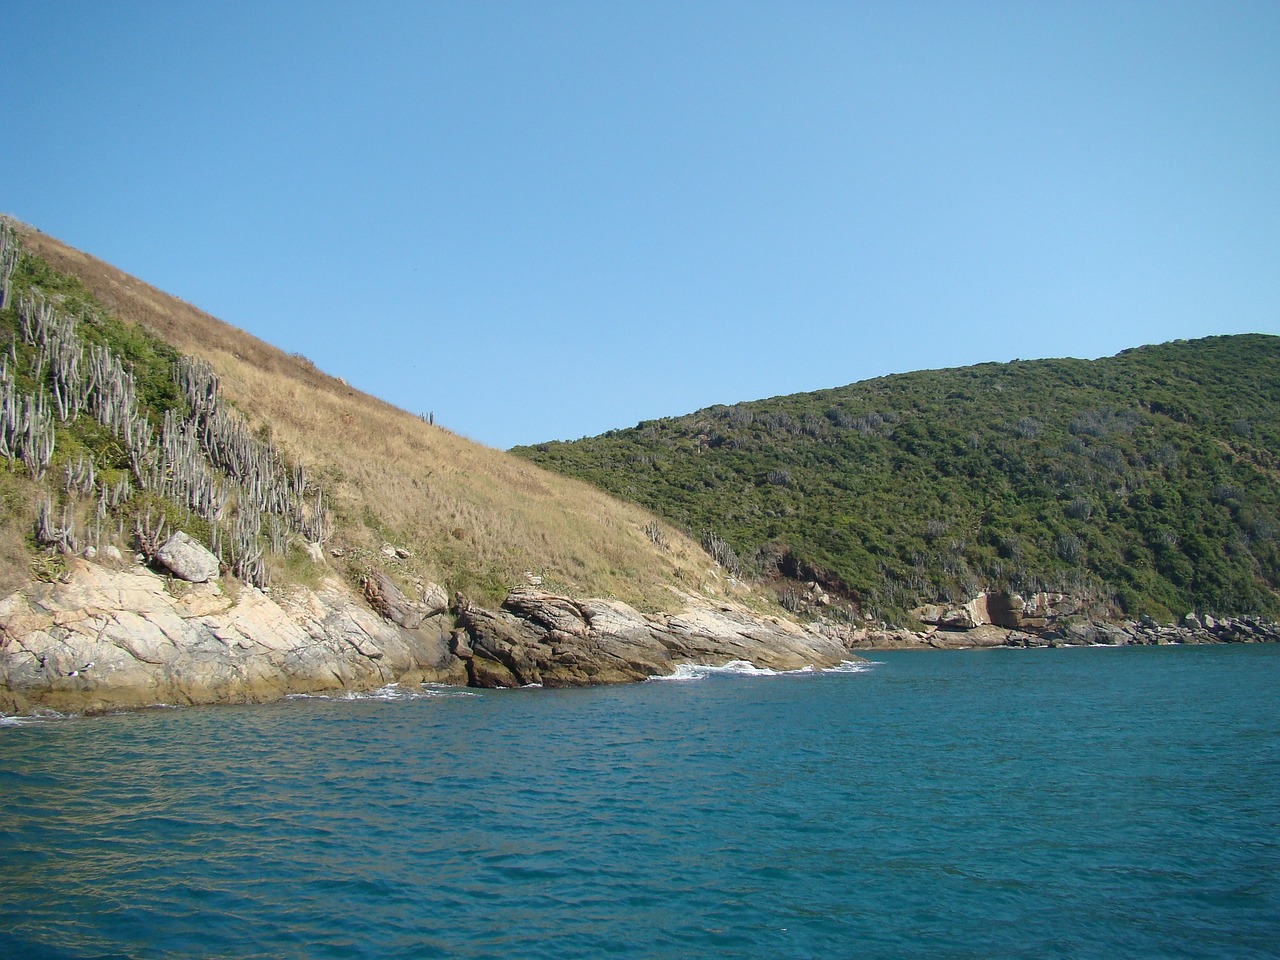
(542, 223)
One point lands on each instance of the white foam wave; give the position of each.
(40, 716)
(743, 668)
(700, 671)
(851, 666)
(391, 693)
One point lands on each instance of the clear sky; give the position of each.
(542, 220)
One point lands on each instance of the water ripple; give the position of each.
(1118, 804)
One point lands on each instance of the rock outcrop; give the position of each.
(558, 641)
(1045, 620)
(102, 638)
(109, 636)
(389, 601)
(1009, 610)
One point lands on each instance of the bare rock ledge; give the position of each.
(559, 641)
(104, 638)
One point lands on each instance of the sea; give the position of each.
(1076, 803)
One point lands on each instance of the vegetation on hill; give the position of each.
(131, 440)
(1148, 482)
(261, 456)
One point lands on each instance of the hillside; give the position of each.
(188, 515)
(472, 519)
(1146, 483)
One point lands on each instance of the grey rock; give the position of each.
(434, 600)
(997, 608)
(1096, 633)
(387, 599)
(560, 641)
(551, 612)
(149, 646)
(187, 560)
(460, 646)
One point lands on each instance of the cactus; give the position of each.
(264, 485)
(316, 524)
(8, 258)
(79, 477)
(61, 534)
(149, 535)
(204, 457)
(36, 437)
(721, 552)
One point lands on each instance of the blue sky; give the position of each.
(543, 220)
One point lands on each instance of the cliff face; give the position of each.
(116, 636)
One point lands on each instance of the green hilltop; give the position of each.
(1146, 483)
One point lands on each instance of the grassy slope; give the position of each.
(1149, 481)
(475, 519)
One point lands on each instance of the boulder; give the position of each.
(1011, 611)
(187, 560)
(1006, 609)
(964, 616)
(1097, 633)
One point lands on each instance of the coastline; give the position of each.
(108, 636)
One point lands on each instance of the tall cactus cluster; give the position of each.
(26, 423)
(271, 499)
(8, 259)
(202, 457)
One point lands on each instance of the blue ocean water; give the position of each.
(1043, 803)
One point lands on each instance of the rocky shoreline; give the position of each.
(113, 635)
(1088, 633)
(1047, 620)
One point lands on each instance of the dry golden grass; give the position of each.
(17, 520)
(474, 519)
